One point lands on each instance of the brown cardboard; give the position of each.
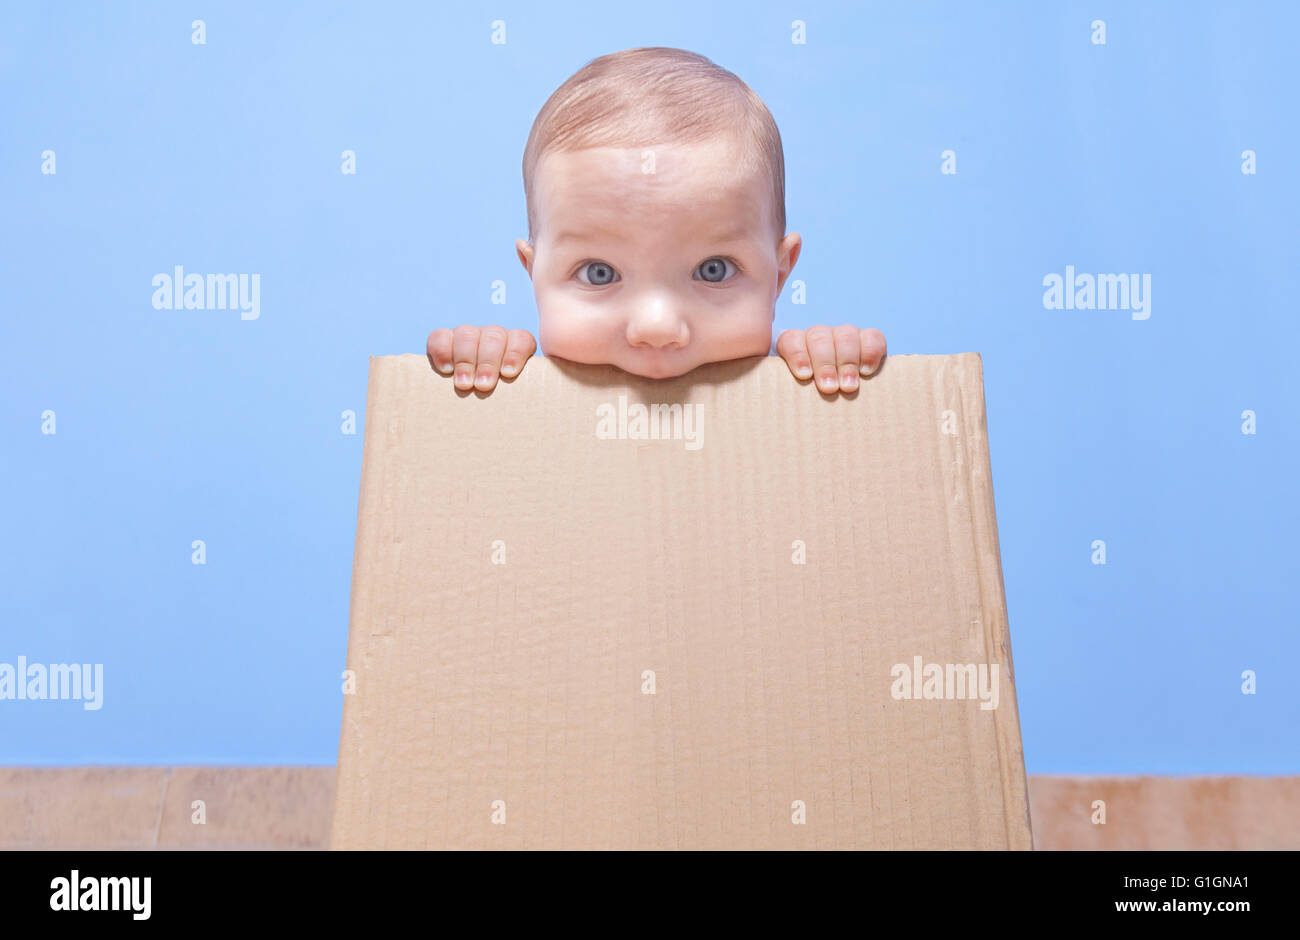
(517, 691)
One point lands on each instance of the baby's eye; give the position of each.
(714, 270)
(599, 273)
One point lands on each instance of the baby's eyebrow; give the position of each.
(740, 233)
(588, 235)
(734, 233)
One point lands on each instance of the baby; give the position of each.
(655, 188)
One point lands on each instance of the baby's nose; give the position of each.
(657, 323)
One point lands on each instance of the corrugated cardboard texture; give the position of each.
(517, 691)
(290, 808)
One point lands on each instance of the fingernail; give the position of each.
(829, 381)
(509, 369)
(445, 368)
(803, 372)
(849, 381)
(867, 368)
(484, 378)
(462, 377)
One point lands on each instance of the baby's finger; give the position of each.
(872, 350)
(791, 347)
(519, 349)
(848, 347)
(439, 349)
(491, 347)
(821, 348)
(464, 353)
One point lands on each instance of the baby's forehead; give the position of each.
(674, 178)
(706, 160)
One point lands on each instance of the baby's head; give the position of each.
(655, 186)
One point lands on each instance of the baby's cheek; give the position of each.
(568, 335)
(749, 334)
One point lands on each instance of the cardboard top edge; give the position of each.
(425, 358)
(706, 371)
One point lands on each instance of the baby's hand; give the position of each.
(478, 352)
(838, 355)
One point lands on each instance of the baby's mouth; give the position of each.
(656, 366)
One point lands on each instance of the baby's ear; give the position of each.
(526, 255)
(787, 255)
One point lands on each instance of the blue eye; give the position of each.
(598, 274)
(714, 270)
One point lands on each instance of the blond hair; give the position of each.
(650, 96)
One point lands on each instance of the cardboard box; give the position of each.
(583, 621)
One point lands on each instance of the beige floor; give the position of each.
(289, 808)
